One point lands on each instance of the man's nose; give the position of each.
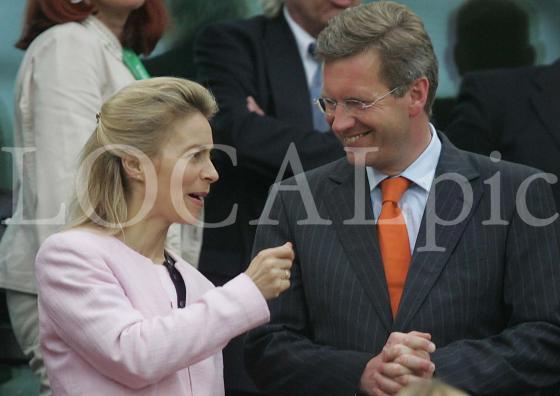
(341, 121)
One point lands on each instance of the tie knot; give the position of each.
(393, 188)
(312, 50)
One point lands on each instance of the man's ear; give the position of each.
(418, 96)
(132, 168)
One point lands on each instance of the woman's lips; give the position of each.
(197, 198)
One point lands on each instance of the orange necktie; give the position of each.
(393, 238)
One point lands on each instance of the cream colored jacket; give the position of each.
(65, 76)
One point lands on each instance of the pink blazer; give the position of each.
(107, 324)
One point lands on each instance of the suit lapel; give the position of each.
(290, 94)
(359, 241)
(448, 201)
(545, 98)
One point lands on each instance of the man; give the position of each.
(413, 258)
(264, 79)
(512, 111)
(476, 43)
(189, 17)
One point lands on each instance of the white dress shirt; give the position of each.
(413, 202)
(303, 40)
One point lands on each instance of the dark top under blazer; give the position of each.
(491, 300)
(514, 111)
(256, 57)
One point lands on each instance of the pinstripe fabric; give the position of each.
(491, 299)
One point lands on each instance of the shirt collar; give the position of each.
(110, 41)
(421, 172)
(303, 39)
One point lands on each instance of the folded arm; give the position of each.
(227, 61)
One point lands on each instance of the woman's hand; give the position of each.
(270, 270)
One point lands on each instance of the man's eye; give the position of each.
(354, 105)
(328, 105)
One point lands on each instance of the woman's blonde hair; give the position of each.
(137, 119)
(432, 388)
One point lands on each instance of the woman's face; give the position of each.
(184, 170)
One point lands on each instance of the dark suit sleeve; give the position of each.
(526, 355)
(281, 356)
(471, 126)
(230, 61)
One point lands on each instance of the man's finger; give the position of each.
(415, 363)
(386, 385)
(409, 379)
(393, 370)
(392, 352)
(419, 343)
(427, 336)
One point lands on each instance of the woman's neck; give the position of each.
(147, 238)
(147, 235)
(115, 21)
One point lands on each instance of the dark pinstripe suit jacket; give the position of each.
(491, 299)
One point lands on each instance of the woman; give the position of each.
(73, 62)
(119, 313)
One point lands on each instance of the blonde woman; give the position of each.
(119, 314)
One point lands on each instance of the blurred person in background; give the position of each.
(480, 45)
(187, 19)
(78, 53)
(483, 35)
(514, 112)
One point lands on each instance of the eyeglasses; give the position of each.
(352, 106)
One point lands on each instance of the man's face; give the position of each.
(313, 15)
(385, 129)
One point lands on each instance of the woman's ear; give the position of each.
(132, 168)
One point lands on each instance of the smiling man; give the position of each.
(422, 260)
